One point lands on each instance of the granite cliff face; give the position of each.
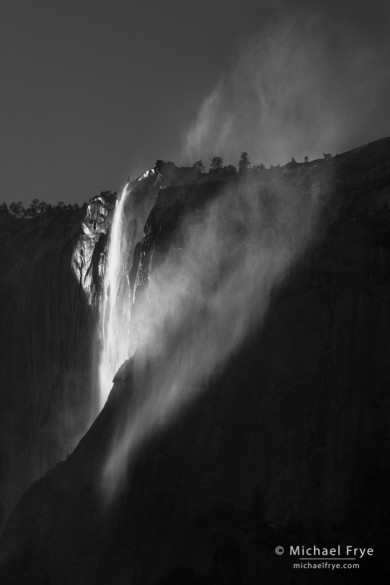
(288, 445)
(47, 398)
(52, 269)
(90, 252)
(88, 258)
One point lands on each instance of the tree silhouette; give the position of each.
(34, 207)
(17, 209)
(216, 163)
(42, 206)
(4, 209)
(244, 162)
(199, 166)
(230, 169)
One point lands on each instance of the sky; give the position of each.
(94, 91)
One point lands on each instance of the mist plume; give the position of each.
(210, 290)
(296, 90)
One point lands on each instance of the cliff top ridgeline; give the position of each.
(287, 442)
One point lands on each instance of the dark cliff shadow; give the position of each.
(288, 445)
(47, 327)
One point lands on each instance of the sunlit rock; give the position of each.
(89, 254)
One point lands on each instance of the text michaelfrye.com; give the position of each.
(332, 558)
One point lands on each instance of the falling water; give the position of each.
(204, 296)
(115, 312)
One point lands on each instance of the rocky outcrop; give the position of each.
(88, 259)
(288, 445)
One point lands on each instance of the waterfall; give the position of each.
(115, 307)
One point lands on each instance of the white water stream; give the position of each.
(115, 311)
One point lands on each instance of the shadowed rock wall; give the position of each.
(288, 445)
(46, 343)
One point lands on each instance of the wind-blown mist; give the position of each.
(294, 92)
(208, 293)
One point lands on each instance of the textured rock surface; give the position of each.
(88, 257)
(46, 340)
(52, 269)
(289, 445)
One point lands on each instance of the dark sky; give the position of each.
(96, 90)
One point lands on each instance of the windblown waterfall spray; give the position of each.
(207, 293)
(115, 311)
